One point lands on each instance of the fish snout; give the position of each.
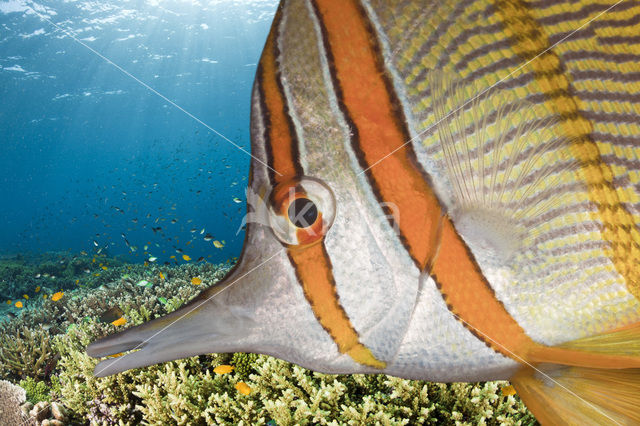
(213, 322)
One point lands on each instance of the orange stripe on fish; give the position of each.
(470, 297)
(373, 112)
(369, 103)
(311, 263)
(313, 269)
(281, 145)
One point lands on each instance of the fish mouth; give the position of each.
(206, 324)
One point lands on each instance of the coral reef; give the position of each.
(38, 391)
(188, 392)
(25, 353)
(45, 348)
(11, 397)
(29, 278)
(244, 364)
(45, 414)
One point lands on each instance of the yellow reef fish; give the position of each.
(161, 275)
(223, 369)
(18, 304)
(37, 289)
(196, 281)
(57, 296)
(26, 296)
(185, 257)
(120, 321)
(508, 390)
(439, 190)
(243, 388)
(218, 244)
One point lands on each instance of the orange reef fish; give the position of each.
(119, 321)
(223, 369)
(508, 390)
(446, 191)
(243, 388)
(57, 296)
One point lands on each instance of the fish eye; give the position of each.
(301, 210)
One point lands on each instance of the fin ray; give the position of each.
(592, 380)
(616, 349)
(580, 396)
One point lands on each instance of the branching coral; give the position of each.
(25, 353)
(36, 390)
(189, 392)
(79, 388)
(115, 399)
(243, 363)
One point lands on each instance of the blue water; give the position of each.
(88, 153)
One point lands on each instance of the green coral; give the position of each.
(38, 390)
(244, 363)
(114, 399)
(25, 353)
(189, 392)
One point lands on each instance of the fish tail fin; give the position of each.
(616, 349)
(593, 380)
(580, 396)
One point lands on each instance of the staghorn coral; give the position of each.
(25, 353)
(189, 392)
(293, 395)
(81, 391)
(243, 363)
(110, 400)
